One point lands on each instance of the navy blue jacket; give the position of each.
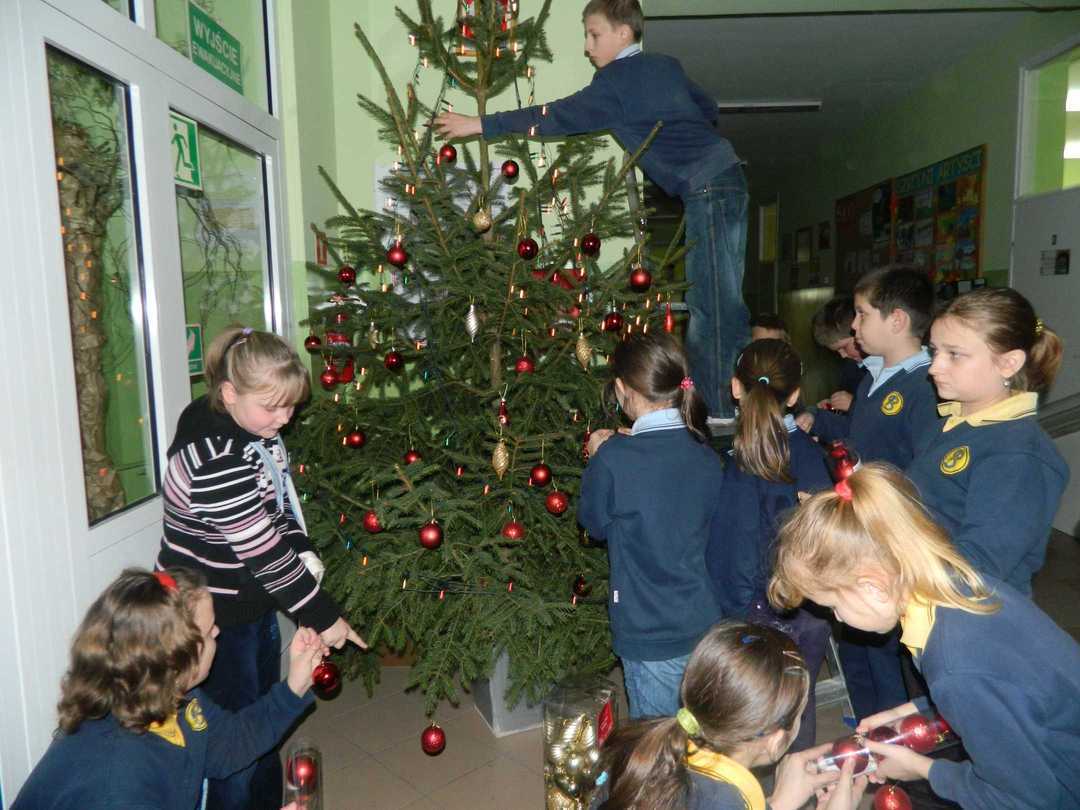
(739, 557)
(892, 424)
(995, 488)
(628, 97)
(1009, 684)
(103, 766)
(653, 498)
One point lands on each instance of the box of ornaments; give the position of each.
(923, 732)
(578, 718)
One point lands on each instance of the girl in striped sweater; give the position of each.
(232, 513)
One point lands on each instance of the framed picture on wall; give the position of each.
(824, 235)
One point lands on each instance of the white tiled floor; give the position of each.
(371, 746)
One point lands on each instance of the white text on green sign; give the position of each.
(214, 49)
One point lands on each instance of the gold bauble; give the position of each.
(500, 459)
(582, 350)
(481, 220)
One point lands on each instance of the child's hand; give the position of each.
(805, 421)
(597, 438)
(899, 762)
(338, 633)
(841, 401)
(305, 653)
(797, 779)
(886, 717)
(846, 792)
(453, 125)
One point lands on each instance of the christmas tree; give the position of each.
(463, 357)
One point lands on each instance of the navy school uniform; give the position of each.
(1009, 685)
(994, 481)
(103, 766)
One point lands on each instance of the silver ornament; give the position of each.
(472, 323)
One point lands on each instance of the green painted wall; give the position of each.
(972, 103)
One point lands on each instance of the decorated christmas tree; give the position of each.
(463, 358)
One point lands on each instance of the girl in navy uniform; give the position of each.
(134, 731)
(992, 477)
(771, 463)
(1004, 676)
(743, 692)
(651, 494)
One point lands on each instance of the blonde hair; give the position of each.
(134, 652)
(769, 372)
(830, 541)
(254, 362)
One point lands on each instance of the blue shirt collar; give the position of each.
(663, 419)
(630, 50)
(875, 364)
(789, 422)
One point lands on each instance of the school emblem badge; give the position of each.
(956, 460)
(893, 403)
(194, 716)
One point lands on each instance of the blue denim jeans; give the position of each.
(247, 665)
(652, 687)
(719, 321)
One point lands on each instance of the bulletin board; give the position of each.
(930, 219)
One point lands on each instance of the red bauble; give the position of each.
(312, 343)
(504, 413)
(613, 322)
(393, 360)
(851, 747)
(579, 274)
(433, 740)
(346, 275)
(892, 797)
(917, 733)
(337, 339)
(524, 365)
(882, 734)
(397, 255)
(326, 680)
(574, 311)
(347, 373)
(581, 587)
(590, 244)
(431, 535)
(540, 474)
(669, 320)
(527, 248)
(447, 153)
(355, 439)
(303, 774)
(411, 457)
(371, 522)
(510, 170)
(561, 280)
(512, 530)
(329, 377)
(941, 726)
(838, 450)
(640, 279)
(556, 502)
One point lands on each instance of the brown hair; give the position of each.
(900, 288)
(742, 682)
(134, 652)
(618, 12)
(655, 366)
(832, 323)
(829, 541)
(1007, 321)
(769, 372)
(254, 362)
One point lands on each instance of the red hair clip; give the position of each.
(843, 489)
(686, 384)
(166, 581)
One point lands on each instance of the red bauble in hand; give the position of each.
(412, 456)
(540, 474)
(433, 740)
(346, 275)
(393, 360)
(556, 502)
(371, 522)
(329, 377)
(527, 248)
(882, 734)
(590, 244)
(355, 438)
(447, 153)
(510, 170)
(891, 797)
(303, 774)
(326, 680)
(312, 343)
(851, 748)
(640, 279)
(918, 734)
(613, 322)
(431, 535)
(942, 727)
(524, 365)
(512, 530)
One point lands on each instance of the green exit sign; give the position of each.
(214, 49)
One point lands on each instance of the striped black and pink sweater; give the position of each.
(222, 518)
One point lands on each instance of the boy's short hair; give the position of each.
(768, 320)
(832, 323)
(900, 288)
(618, 12)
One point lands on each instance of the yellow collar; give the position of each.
(169, 731)
(916, 622)
(1017, 406)
(724, 769)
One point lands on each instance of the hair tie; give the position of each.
(1039, 326)
(843, 489)
(686, 384)
(241, 338)
(763, 379)
(749, 639)
(166, 581)
(685, 718)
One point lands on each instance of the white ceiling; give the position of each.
(854, 63)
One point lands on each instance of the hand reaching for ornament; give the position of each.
(797, 779)
(305, 653)
(453, 126)
(898, 762)
(886, 718)
(840, 401)
(338, 633)
(846, 792)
